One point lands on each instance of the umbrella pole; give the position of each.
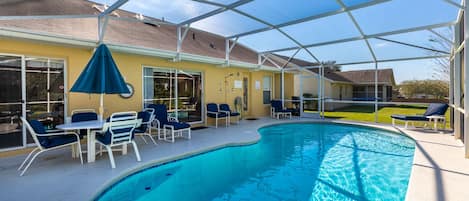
(101, 108)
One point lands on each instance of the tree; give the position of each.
(332, 65)
(412, 88)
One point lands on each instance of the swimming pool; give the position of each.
(298, 161)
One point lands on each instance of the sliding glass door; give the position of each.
(180, 91)
(44, 91)
(11, 101)
(32, 88)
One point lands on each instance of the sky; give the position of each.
(384, 17)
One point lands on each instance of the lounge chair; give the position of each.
(434, 109)
(147, 116)
(214, 112)
(278, 110)
(226, 108)
(46, 141)
(163, 121)
(118, 131)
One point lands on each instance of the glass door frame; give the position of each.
(24, 95)
(176, 71)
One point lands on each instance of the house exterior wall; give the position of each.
(289, 87)
(131, 67)
(332, 90)
(310, 85)
(367, 92)
(342, 91)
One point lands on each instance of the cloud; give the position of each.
(383, 44)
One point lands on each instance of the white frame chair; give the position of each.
(228, 113)
(149, 126)
(120, 120)
(277, 115)
(43, 149)
(227, 118)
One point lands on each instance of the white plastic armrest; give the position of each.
(156, 123)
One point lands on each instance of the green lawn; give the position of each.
(367, 113)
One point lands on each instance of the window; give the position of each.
(180, 91)
(32, 88)
(267, 89)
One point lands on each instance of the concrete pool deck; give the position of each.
(439, 171)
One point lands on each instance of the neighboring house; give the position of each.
(357, 85)
(363, 84)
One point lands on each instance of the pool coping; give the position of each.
(162, 161)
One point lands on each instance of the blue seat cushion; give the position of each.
(409, 117)
(285, 110)
(436, 109)
(235, 114)
(178, 125)
(145, 117)
(84, 116)
(38, 127)
(161, 114)
(54, 141)
(220, 114)
(141, 129)
(105, 137)
(212, 107)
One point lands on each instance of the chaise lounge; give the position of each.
(435, 111)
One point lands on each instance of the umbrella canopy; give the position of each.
(101, 75)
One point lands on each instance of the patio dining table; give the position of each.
(88, 125)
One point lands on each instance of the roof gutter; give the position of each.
(67, 40)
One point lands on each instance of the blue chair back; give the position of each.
(146, 119)
(436, 109)
(212, 107)
(225, 107)
(276, 104)
(161, 113)
(36, 127)
(120, 128)
(84, 116)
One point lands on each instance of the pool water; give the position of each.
(307, 161)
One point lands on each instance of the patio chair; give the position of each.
(278, 110)
(226, 108)
(434, 109)
(147, 116)
(118, 131)
(46, 141)
(214, 112)
(171, 124)
(80, 115)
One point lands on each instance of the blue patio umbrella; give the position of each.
(101, 76)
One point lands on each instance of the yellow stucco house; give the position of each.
(40, 59)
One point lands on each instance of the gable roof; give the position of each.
(118, 31)
(385, 76)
